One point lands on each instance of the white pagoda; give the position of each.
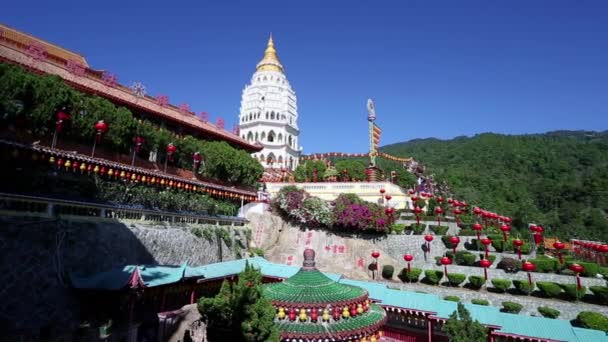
(269, 113)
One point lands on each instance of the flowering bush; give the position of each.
(348, 211)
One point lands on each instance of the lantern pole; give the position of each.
(94, 144)
(54, 138)
(133, 159)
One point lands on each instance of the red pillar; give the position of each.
(430, 329)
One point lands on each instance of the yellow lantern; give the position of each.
(52, 160)
(326, 315)
(170, 183)
(133, 177)
(162, 182)
(345, 312)
(302, 315)
(380, 333)
(111, 172)
(359, 308)
(363, 339)
(143, 179)
(193, 188)
(96, 169)
(372, 339)
(83, 167)
(281, 313)
(67, 164)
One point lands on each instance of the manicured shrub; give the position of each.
(465, 258)
(549, 289)
(452, 298)
(591, 269)
(456, 279)
(548, 312)
(387, 271)
(397, 228)
(591, 320)
(545, 265)
(446, 241)
(499, 245)
(432, 277)
(600, 293)
(501, 284)
(439, 230)
(604, 272)
(511, 307)
(491, 257)
(467, 232)
(412, 276)
(476, 282)
(509, 265)
(417, 229)
(572, 292)
(523, 286)
(480, 302)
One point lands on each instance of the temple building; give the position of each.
(312, 307)
(269, 113)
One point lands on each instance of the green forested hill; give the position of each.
(558, 179)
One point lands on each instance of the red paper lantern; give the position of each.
(486, 241)
(139, 142)
(375, 254)
(428, 237)
(440, 199)
(438, 211)
(518, 243)
(382, 191)
(171, 149)
(446, 261)
(576, 268)
(455, 240)
(101, 128)
(408, 257)
(485, 263)
(476, 211)
(388, 197)
(505, 229)
(411, 191)
(528, 266)
(61, 118)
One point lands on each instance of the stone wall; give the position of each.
(38, 254)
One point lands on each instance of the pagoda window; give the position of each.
(266, 115)
(271, 136)
(256, 136)
(271, 115)
(265, 78)
(250, 136)
(263, 137)
(271, 158)
(289, 140)
(280, 159)
(280, 137)
(262, 157)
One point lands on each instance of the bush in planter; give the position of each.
(474, 245)
(388, 271)
(439, 230)
(467, 232)
(417, 229)
(549, 289)
(501, 284)
(545, 265)
(446, 241)
(397, 228)
(572, 292)
(591, 269)
(509, 265)
(465, 258)
(476, 282)
(452, 298)
(548, 312)
(456, 279)
(511, 307)
(411, 276)
(600, 293)
(432, 277)
(480, 302)
(523, 286)
(591, 320)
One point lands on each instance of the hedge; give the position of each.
(388, 271)
(592, 320)
(545, 265)
(476, 282)
(523, 286)
(511, 307)
(465, 258)
(600, 293)
(572, 292)
(439, 230)
(452, 298)
(591, 269)
(549, 289)
(480, 302)
(456, 279)
(412, 276)
(467, 232)
(501, 284)
(548, 312)
(397, 228)
(432, 277)
(417, 229)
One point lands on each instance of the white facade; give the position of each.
(269, 113)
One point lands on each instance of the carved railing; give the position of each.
(54, 207)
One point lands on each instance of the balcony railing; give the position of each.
(59, 207)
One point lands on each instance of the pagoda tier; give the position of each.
(312, 307)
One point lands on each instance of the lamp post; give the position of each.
(61, 118)
(518, 243)
(438, 211)
(408, 258)
(197, 159)
(485, 263)
(486, 242)
(171, 149)
(558, 245)
(139, 141)
(101, 128)
(445, 261)
(375, 255)
(528, 267)
(577, 269)
(428, 238)
(455, 240)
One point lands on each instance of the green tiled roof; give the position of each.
(312, 287)
(370, 320)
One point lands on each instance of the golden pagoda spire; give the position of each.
(270, 61)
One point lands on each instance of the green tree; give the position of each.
(304, 172)
(240, 312)
(460, 327)
(355, 169)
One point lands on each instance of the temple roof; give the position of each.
(270, 61)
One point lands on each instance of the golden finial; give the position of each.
(270, 61)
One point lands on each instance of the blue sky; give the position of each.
(435, 68)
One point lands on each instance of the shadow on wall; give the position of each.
(38, 254)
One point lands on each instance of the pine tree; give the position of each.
(239, 312)
(460, 327)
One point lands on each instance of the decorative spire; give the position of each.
(270, 61)
(309, 259)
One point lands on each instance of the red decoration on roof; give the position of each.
(75, 67)
(220, 123)
(37, 51)
(203, 116)
(162, 100)
(135, 280)
(109, 79)
(185, 108)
